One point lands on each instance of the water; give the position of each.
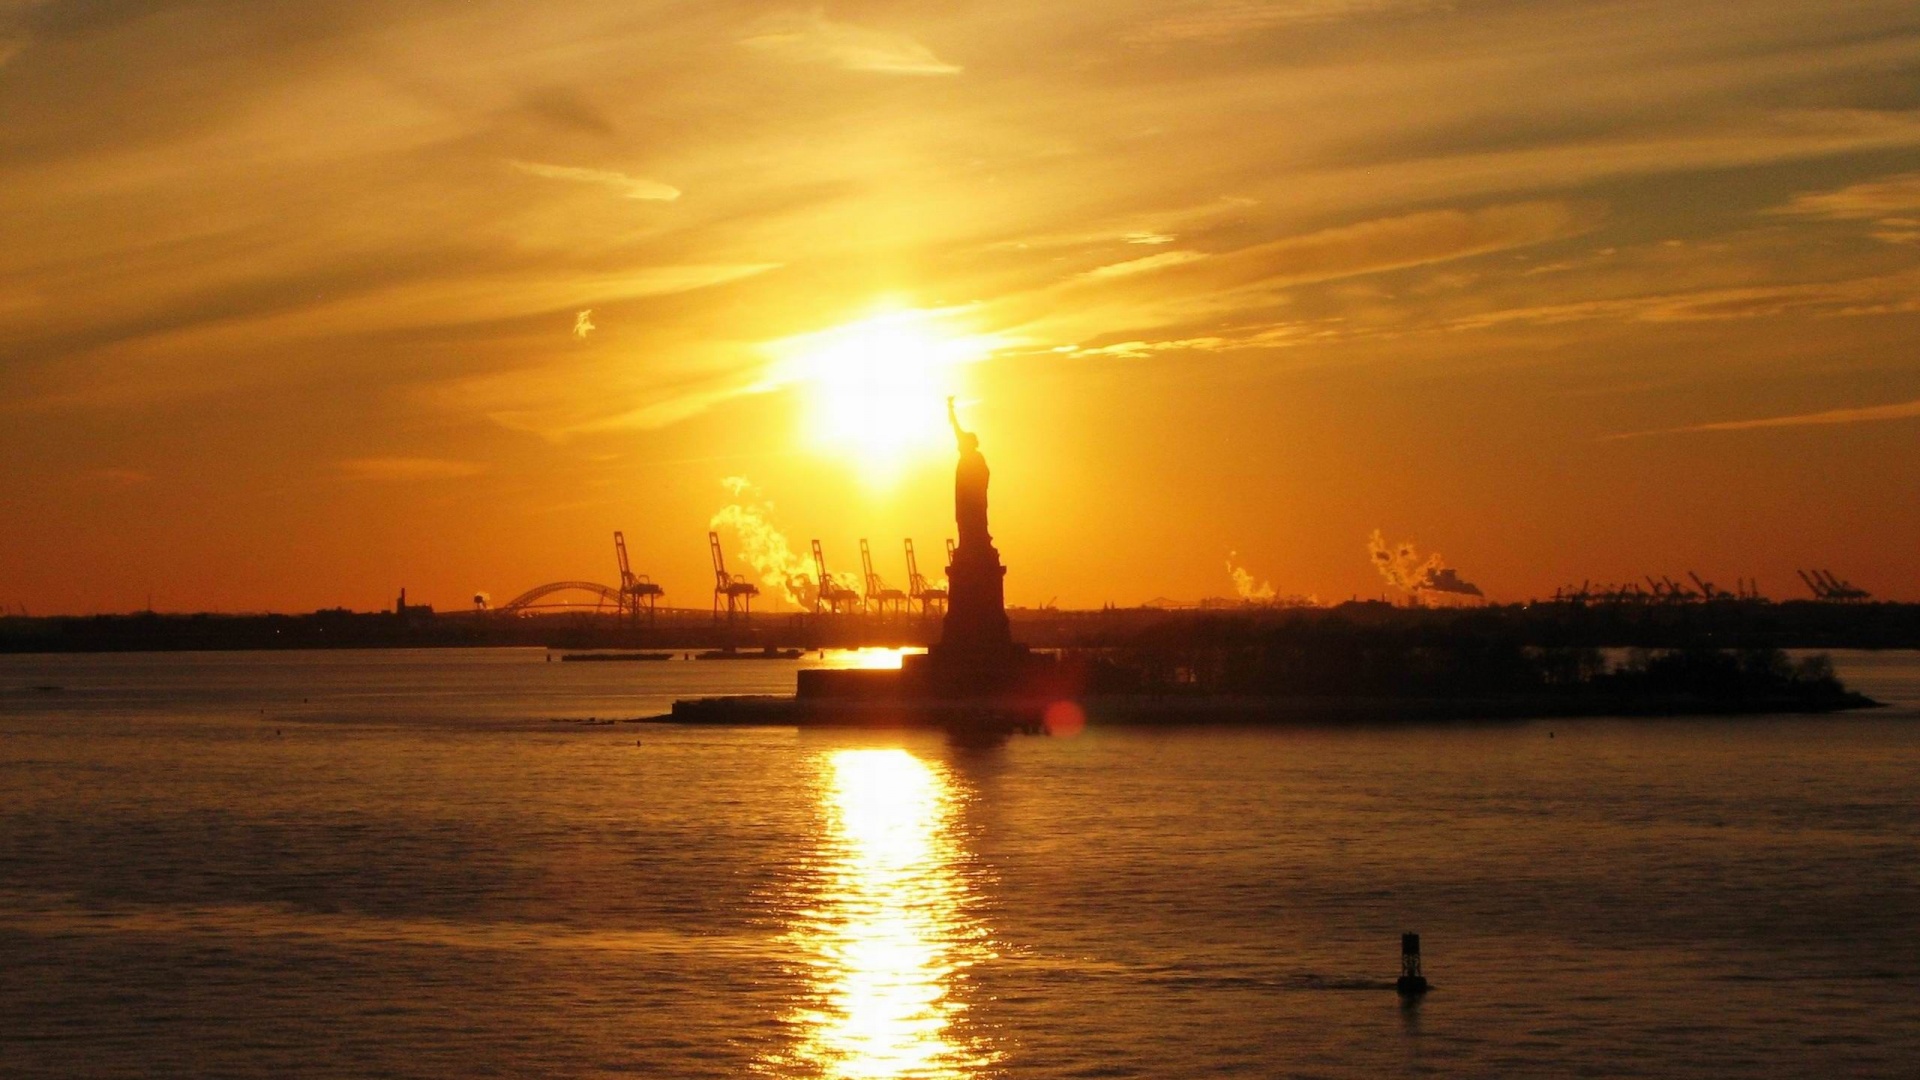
(393, 864)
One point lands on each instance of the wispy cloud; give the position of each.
(558, 420)
(583, 324)
(1866, 414)
(1144, 264)
(632, 187)
(1870, 199)
(179, 355)
(1265, 337)
(814, 38)
(1148, 228)
(1417, 240)
(1738, 142)
(384, 210)
(1892, 203)
(1367, 247)
(408, 469)
(558, 400)
(15, 16)
(1212, 20)
(1179, 301)
(1888, 294)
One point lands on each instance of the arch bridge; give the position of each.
(635, 596)
(531, 599)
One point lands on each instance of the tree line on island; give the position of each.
(1229, 657)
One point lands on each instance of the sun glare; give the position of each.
(874, 391)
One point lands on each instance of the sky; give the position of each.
(301, 303)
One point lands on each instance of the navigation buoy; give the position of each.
(1412, 983)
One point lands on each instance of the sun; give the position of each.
(874, 391)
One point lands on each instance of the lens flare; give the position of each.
(1065, 719)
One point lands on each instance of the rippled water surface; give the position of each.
(404, 864)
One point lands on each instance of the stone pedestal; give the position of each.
(976, 656)
(976, 619)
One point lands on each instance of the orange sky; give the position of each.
(291, 295)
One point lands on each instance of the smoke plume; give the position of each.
(1403, 568)
(1447, 581)
(758, 544)
(1244, 585)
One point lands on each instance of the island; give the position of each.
(977, 682)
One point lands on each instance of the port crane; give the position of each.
(638, 593)
(1670, 591)
(879, 594)
(829, 593)
(1827, 587)
(1710, 591)
(1743, 589)
(736, 592)
(1662, 589)
(928, 597)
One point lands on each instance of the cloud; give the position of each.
(650, 416)
(558, 400)
(1368, 247)
(1871, 199)
(1151, 227)
(1420, 239)
(408, 469)
(1269, 336)
(248, 203)
(564, 109)
(815, 39)
(1178, 300)
(1145, 264)
(16, 27)
(1212, 20)
(1898, 230)
(1892, 202)
(1747, 140)
(583, 324)
(631, 187)
(1885, 294)
(183, 357)
(1905, 410)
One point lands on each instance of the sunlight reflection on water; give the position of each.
(888, 935)
(870, 656)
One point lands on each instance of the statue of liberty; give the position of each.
(969, 488)
(976, 606)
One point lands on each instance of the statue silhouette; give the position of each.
(976, 619)
(969, 487)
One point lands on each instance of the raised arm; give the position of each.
(953, 418)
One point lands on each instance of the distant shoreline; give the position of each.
(1720, 624)
(1299, 711)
